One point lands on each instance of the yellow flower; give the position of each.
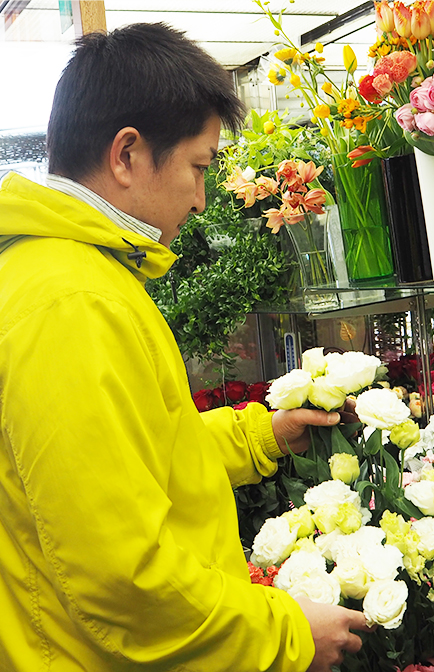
(383, 50)
(344, 467)
(405, 435)
(319, 47)
(327, 87)
(269, 127)
(350, 60)
(430, 64)
(287, 55)
(277, 32)
(276, 77)
(324, 131)
(295, 80)
(322, 111)
(314, 120)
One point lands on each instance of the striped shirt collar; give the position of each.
(118, 217)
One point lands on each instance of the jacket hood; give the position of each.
(29, 209)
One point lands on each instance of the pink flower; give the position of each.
(314, 200)
(382, 84)
(256, 573)
(419, 668)
(420, 99)
(405, 117)
(425, 122)
(427, 82)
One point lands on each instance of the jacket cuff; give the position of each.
(265, 431)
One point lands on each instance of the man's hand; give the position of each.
(330, 628)
(292, 427)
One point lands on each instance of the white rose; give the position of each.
(425, 529)
(313, 361)
(326, 543)
(381, 562)
(249, 174)
(318, 587)
(324, 394)
(331, 493)
(385, 603)
(421, 494)
(381, 408)
(351, 545)
(301, 563)
(273, 543)
(352, 371)
(352, 578)
(289, 391)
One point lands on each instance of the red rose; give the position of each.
(235, 390)
(411, 366)
(218, 396)
(239, 407)
(265, 581)
(272, 571)
(367, 90)
(204, 400)
(257, 391)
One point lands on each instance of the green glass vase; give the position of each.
(364, 220)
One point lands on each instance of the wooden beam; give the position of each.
(89, 16)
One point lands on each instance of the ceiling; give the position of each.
(235, 33)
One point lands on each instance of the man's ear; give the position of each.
(128, 147)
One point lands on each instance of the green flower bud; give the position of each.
(348, 518)
(344, 467)
(405, 435)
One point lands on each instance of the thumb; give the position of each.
(307, 416)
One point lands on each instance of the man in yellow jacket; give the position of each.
(119, 547)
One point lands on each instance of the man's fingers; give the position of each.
(353, 644)
(357, 621)
(307, 416)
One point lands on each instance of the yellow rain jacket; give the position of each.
(119, 546)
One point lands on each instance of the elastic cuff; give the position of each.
(265, 430)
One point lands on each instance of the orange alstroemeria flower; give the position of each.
(402, 18)
(248, 192)
(384, 17)
(420, 22)
(308, 171)
(275, 219)
(266, 186)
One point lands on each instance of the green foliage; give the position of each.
(225, 269)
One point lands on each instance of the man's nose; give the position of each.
(200, 200)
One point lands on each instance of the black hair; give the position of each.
(148, 76)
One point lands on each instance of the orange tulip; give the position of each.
(429, 8)
(402, 18)
(384, 17)
(359, 152)
(420, 22)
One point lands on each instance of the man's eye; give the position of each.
(202, 169)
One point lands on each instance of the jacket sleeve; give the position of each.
(246, 442)
(74, 423)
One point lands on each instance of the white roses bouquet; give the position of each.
(356, 532)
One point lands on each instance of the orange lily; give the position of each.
(248, 192)
(384, 17)
(314, 200)
(402, 17)
(420, 22)
(235, 180)
(266, 186)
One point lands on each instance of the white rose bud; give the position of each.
(330, 492)
(385, 603)
(324, 394)
(301, 563)
(421, 494)
(319, 587)
(289, 391)
(352, 578)
(425, 529)
(249, 174)
(381, 408)
(314, 362)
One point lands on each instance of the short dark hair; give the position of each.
(148, 76)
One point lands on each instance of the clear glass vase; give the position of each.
(364, 220)
(310, 238)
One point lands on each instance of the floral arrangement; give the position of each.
(359, 529)
(234, 393)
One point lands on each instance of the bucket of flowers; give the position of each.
(358, 530)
